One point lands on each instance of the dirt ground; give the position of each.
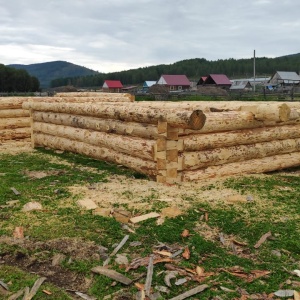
(135, 194)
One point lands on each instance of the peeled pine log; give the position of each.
(122, 96)
(226, 121)
(133, 146)
(102, 153)
(200, 142)
(11, 123)
(72, 99)
(177, 118)
(265, 111)
(11, 102)
(253, 166)
(269, 111)
(143, 130)
(14, 113)
(15, 134)
(220, 156)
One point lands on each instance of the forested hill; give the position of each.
(48, 71)
(193, 68)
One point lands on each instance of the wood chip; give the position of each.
(176, 253)
(191, 292)
(47, 292)
(185, 233)
(120, 245)
(170, 275)
(141, 295)
(149, 276)
(296, 295)
(16, 192)
(180, 281)
(199, 271)
(34, 289)
(84, 296)
(186, 253)
(112, 274)
(16, 295)
(263, 239)
(138, 219)
(163, 253)
(4, 285)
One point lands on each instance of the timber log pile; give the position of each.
(14, 120)
(174, 141)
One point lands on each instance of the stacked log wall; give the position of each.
(14, 120)
(121, 133)
(250, 139)
(169, 141)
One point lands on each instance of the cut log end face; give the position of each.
(197, 119)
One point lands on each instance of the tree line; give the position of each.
(192, 68)
(14, 80)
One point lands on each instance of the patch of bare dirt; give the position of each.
(37, 257)
(73, 247)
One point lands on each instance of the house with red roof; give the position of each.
(112, 86)
(175, 82)
(201, 80)
(219, 80)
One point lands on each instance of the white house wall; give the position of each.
(161, 81)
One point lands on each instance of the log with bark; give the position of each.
(253, 166)
(220, 156)
(148, 131)
(140, 165)
(15, 134)
(206, 141)
(11, 123)
(177, 118)
(14, 113)
(133, 146)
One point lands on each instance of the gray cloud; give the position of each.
(124, 34)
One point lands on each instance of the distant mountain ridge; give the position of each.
(48, 71)
(62, 73)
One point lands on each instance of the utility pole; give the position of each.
(254, 83)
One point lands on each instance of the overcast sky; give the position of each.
(115, 35)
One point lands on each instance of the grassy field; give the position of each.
(217, 237)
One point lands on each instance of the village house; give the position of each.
(281, 78)
(175, 82)
(147, 84)
(219, 80)
(112, 86)
(241, 86)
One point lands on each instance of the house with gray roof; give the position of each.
(281, 78)
(241, 85)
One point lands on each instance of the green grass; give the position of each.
(275, 208)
